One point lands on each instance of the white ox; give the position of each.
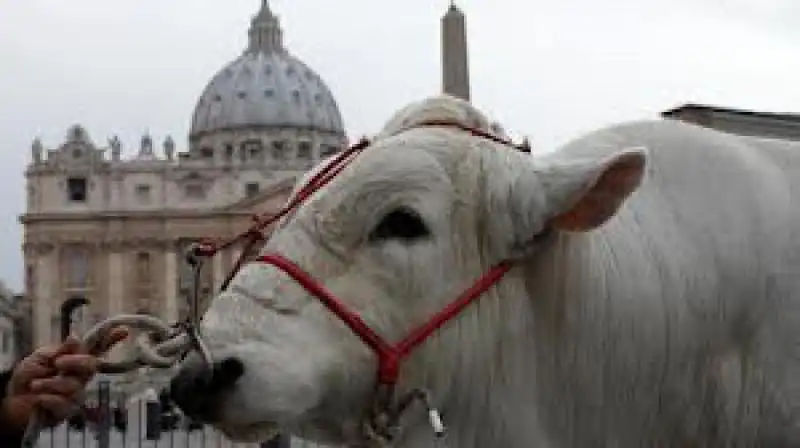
(651, 315)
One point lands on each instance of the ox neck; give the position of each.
(486, 397)
(489, 397)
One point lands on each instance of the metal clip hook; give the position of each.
(194, 256)
(384, 423)
(434, 417)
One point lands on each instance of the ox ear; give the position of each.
(582, 195)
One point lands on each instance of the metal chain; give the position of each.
(158, 345)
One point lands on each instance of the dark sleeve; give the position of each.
(8, 436)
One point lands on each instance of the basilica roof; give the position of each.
(266, 87)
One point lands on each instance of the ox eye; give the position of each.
(400, 224)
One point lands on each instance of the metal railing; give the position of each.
(110, 419)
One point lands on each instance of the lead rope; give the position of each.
(159, 345)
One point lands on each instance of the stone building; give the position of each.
(104, 233)
(11, 328)
(782, 126)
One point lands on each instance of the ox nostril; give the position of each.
(226, 372)
(184, 388)
(198, 389)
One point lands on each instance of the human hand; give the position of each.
(53, 378)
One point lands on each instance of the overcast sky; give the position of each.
(547, 69)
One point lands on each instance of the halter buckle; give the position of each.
(383, 424)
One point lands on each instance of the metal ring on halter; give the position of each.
(194, 256)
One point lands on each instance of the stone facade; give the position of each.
(107, 233)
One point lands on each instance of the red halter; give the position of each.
(389, 355)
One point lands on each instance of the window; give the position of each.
(143, 192)
(73, 315)
(304, 150)
(228, 152)
(76, 189)
(328, 150)
(280, 149)
(76, 263)
(143, 270)
(77, 153)
(251, 189)
(206, 153)
(195, 191)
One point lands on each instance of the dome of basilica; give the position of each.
(266, 87)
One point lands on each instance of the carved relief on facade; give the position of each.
(37, 248)
(123, 244)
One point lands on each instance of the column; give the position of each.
(170, 284)
(116, 282)
(45, 289)
(115, 289)
(218, 271)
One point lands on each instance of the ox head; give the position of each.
(410, 223)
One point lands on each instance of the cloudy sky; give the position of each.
(547, 69)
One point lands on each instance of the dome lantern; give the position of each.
(265, 32)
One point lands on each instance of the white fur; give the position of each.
(670, 325)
